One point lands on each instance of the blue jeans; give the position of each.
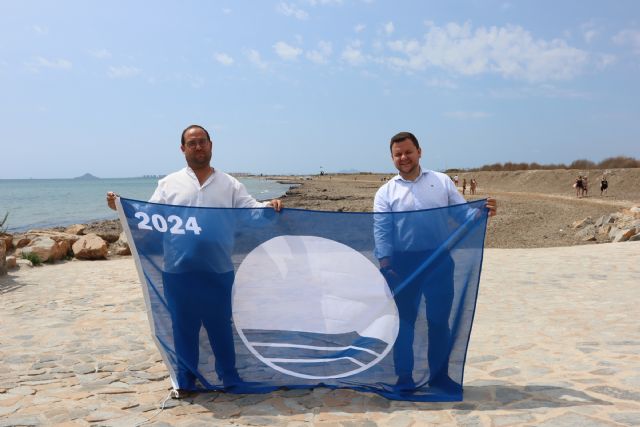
(196, 299)
(436, 285)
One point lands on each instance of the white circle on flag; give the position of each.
(313, 308)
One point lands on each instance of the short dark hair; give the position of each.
(399, 137)
(191, 127)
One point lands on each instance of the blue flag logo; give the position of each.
(250, 301)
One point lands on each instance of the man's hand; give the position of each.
(492, 206)
(276, 204)
(111, 199)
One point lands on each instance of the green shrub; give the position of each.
(34, 258)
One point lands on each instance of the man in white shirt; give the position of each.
(400, 247)
(200, 185)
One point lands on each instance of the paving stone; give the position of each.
(573, 420)
(626, 418)
(617, 393)
(511, 419)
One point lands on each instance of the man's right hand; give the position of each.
(111, 199)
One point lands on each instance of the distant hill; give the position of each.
(86, 176)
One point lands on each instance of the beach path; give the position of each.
(555, 342)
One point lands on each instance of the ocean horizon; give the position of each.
(43, 203)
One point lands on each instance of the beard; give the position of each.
(198, 160)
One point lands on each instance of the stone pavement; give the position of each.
(556, 342)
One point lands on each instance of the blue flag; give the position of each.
(250, 300)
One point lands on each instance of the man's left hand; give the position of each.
(492, 206)
(276, 204)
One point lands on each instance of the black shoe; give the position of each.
(178, 393)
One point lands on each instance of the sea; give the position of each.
(43, 203)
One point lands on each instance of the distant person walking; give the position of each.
(603, 185)
(455, 180)
(464, 185)
(473, 185)
(578, 185)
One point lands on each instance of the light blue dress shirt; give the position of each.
(406, 232)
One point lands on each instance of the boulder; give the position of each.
(613, 231)
(11, 262)
(90, 246)
(44, 247)
(587, 234)
(20, 241)
(121, 247)
(624, 235)
(600, 221)
(582, 222)
(3, 259)
(77, 229)
(8, 241)
(634, 238)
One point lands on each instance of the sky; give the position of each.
(299, 86)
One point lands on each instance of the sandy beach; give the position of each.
(555, 340)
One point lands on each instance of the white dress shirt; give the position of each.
(395, 233)
(212, 249)
(220, 190)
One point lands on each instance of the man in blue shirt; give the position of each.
(401, 247)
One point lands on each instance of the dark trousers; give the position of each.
(436, 285)
(196, 299)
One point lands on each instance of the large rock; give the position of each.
(8, 241)
(624, 235)
(3, 259)
(121, 247)
(634, 238)
(582, 222)
(77, 229)
(43, 247)
(12, 262)
(20, 241)
(90, 246)
(587, 234)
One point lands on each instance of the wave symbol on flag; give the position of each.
(313, 308)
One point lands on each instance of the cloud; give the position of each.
(254, 57)
(39, 63)
(320, 56)
(389, 28)
(359, 28)
(41, 31)
(467, 115)
(123, 72)
(323, 2)
(288, 9)
(286, 51)
(223, 58)
(509, 51)
(443, 83)
(589, 31)
(353, 55)
(628, 37)
(100, 53)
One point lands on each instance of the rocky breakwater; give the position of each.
(94, 241)
(616, 227)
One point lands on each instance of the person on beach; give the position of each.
(199, 184)
(455, 180)
(464, 185)
(474, 185)
(603, 186)
(414, 189)
(578, 186)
